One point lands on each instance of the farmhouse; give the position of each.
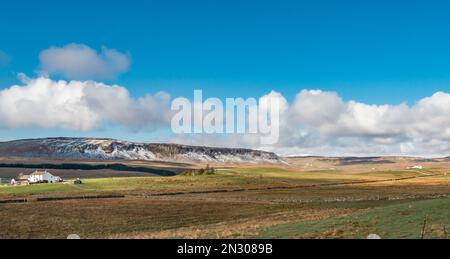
(36, 177)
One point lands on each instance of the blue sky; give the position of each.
(375, 52)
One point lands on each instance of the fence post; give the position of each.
(445, 233)
(424, 227)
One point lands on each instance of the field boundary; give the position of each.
(85, 197)
(13, 201)
(66, 198)
(289, 187)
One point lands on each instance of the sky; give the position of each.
(378, 55)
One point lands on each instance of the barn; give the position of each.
(36, 177)
(43, 177)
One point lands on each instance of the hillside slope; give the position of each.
(110, 149)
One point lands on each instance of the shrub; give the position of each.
(202, 171)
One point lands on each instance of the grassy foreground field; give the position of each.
(237, 202)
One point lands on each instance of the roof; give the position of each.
(39, 173)
(21, 180)
(23, 177)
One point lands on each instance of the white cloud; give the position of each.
(77, 61)
(321, 123)
(315, 123)
(4, 58)
(77, 105)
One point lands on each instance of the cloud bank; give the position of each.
(321, 123)
(315, 123)
(79, 105)
(80, 62)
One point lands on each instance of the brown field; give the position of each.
(306, 198)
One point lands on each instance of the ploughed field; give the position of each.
(307, 198)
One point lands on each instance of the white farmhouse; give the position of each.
(36, 177)
(43, 177)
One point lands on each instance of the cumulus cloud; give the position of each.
(321, 123)
(79, 105)
(4, 58)
(314, 123)
(77, 61)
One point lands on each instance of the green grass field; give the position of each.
(225, 178)
(400, 220)
(253, 202)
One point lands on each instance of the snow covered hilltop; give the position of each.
(110, 149)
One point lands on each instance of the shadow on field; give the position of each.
(87, 167)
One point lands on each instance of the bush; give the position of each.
(202, 171)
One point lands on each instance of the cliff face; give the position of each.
(110, 149)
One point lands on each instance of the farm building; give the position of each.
(416, 167)
(21, 180)
(36, 177)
